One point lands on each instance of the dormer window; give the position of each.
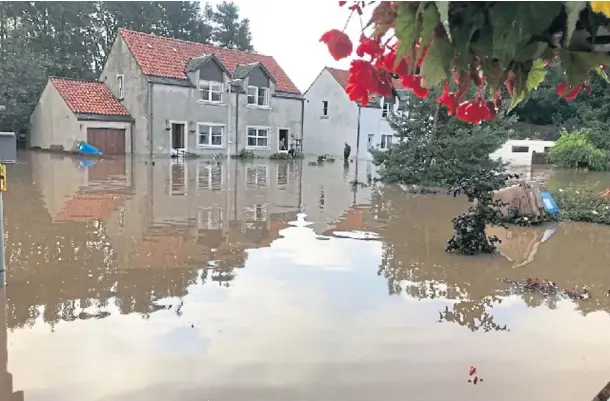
(386, 109)
(258, 96)
(210, 91)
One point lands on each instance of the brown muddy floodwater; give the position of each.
(201, 281)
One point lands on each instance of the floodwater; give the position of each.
(281, 281)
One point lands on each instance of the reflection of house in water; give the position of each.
(133, 234)
(329, 194)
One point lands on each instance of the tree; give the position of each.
(228, 30)
(23, 72)
(438, 152)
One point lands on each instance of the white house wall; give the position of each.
(505, 152)
(52, 123)
(327, 134)
(372, 123)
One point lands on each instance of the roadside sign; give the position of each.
(2, 177)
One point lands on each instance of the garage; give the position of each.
(110, 141)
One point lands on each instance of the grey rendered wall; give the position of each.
(181, 104)
(52, 122)
(136, 97)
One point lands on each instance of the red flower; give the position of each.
(572, 91)
(342, 3)
(448, 99)
(361, 77)
(370, 47)
(413, 82)
(339, 44)
(473, 111)
(388, 62)
(364, 78)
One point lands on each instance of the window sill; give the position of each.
(253, 106)
(210, 147)
(258, 148)
(208, 103)
(324, 117)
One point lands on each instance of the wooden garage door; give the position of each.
(111, 141)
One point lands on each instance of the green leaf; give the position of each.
(437, 63)
(520, 91)
(536, 75)
(514, 23)
(443, 11)
(600, 71)
(430, 20)
(578, 65)
(573, 9)
(531, 51)
(405, 28)
(466, 25)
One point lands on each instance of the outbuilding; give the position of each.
(69, 111)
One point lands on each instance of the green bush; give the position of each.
(579, 204)
(576, 151)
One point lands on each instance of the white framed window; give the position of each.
(257, 177)
(210, 218)
(210, 135)
(210, 91)
(258, 96)
(386, 141)
(209, 176)
(325, 108)
(120, 84)
(386, 108)
(258, 138)
(256, 213)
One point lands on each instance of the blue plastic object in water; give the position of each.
(85, 163)
(549, 204)
(85, 148)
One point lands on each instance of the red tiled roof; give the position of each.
(342, 75)
(165, 57)
(88, 97)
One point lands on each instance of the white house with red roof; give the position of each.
(332, 119)
(185, 96)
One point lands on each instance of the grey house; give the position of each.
(200, 98)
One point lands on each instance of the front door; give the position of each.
(178, 137)
(283, 140)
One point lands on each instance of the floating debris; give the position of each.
(472, 371)
(546, 288)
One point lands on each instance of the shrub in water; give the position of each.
(470, 237)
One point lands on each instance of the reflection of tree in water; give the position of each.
(414, 262)
(473, 314)
(415, 229)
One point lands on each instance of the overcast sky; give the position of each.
(290, 32)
